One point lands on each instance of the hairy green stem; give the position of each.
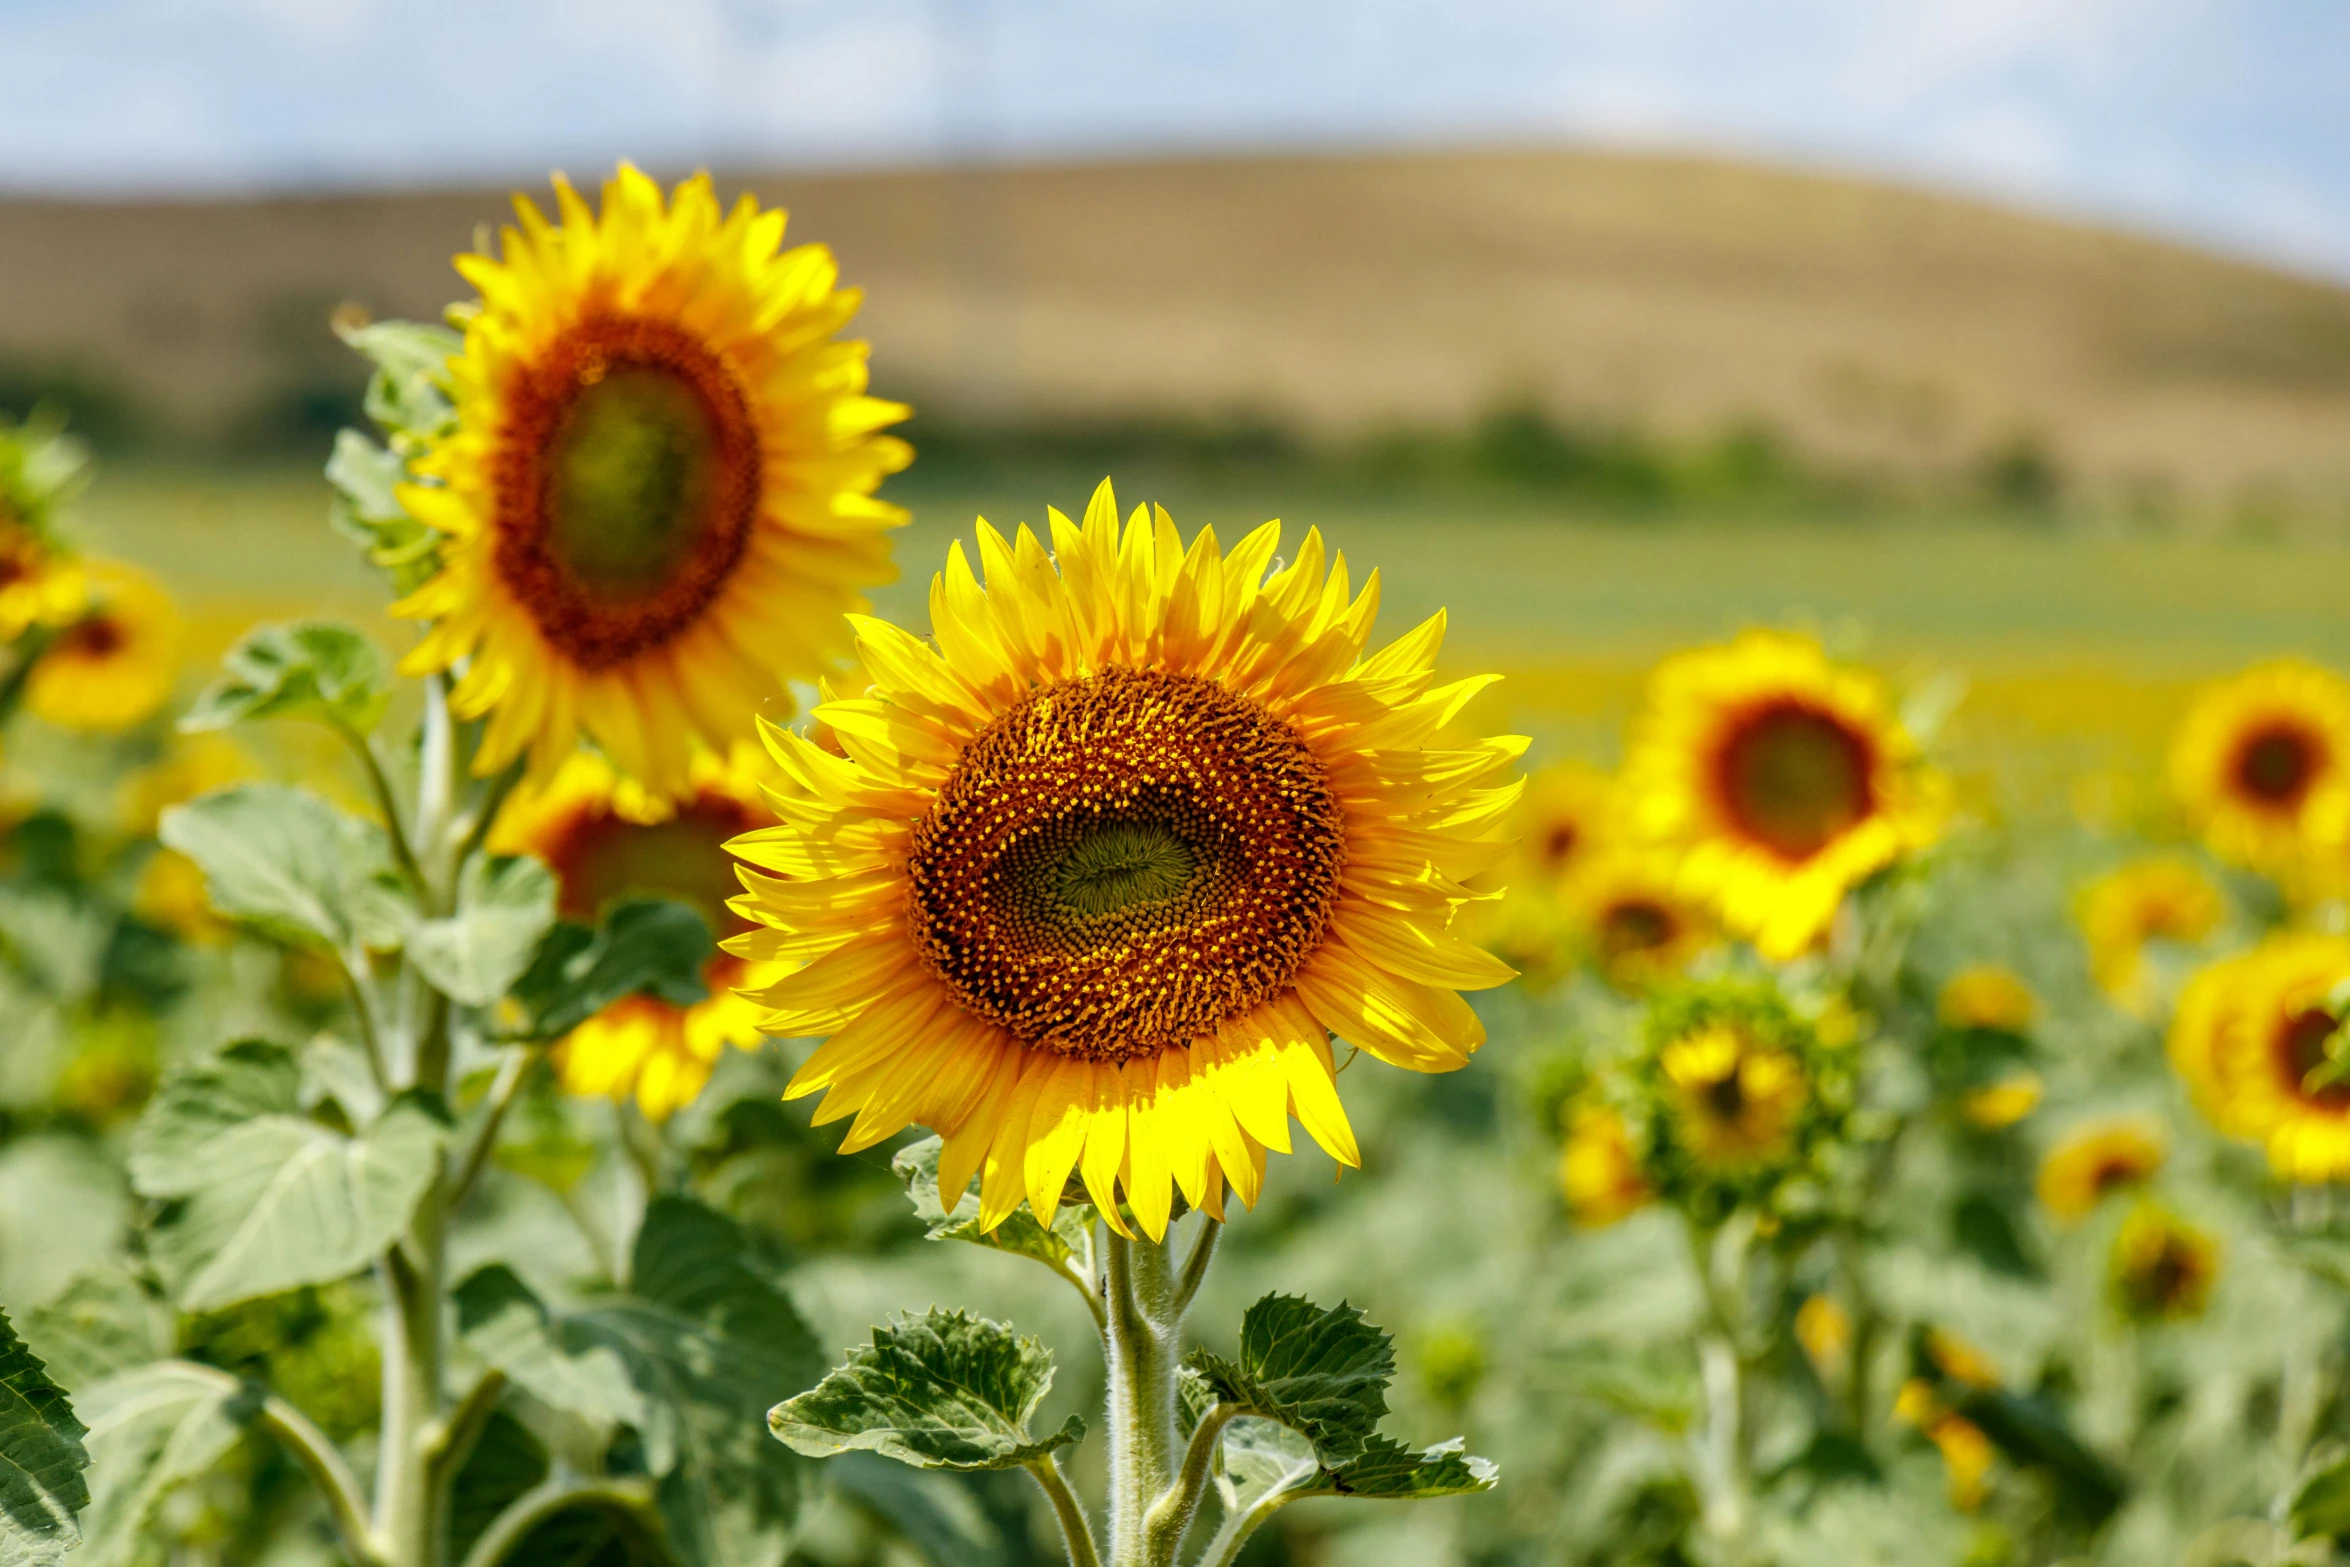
(1170, 1516)
(1225, 1548)
(1145, 1326)
(504, 1088)
(1076, 1530)
(630, 1500)
(379, 784)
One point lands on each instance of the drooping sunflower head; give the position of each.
(2123, 913)
(1640, 927)
(1096, 872)
(2162, 1268)
(1740, 1096)
(606, 839)
(657, 499)
(2096, 1159)
(115, 664)
(1781, 778)
(1599, 1173)
(2261, 764)
(2255, 1042)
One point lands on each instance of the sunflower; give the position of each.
(606, 838)
(115, 665)
(1638, 925)
(657, 496)
(2093, 1160)
(40, 583)
(1562, 827)
(2165, 899)
(1562, 823)
(2252, 1041)
(1824, 1330)
(1740, 1096)
(1967, 1453)
(1599, 1174)
(2262, 764)
(2002, 1103)
(1782, 780)
(1104, 867)
(2162, 1267)
(1987, 996)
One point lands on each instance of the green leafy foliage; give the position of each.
(302, 669)
(42, 1488)
(258, 1197)
(1067, 1244)
(367, 511)
(1391, 1471)
(284, 860)
(152, 1430)
(503, 913)
(102, 1324)
(409, 393)
(504, 1323)
(648, 944)
(943, 1390)
(708, 1339)
(2321, 1506)
(1324, 1374)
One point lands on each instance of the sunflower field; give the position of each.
(469, 1073)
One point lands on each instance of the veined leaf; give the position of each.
(367, 511)
(1067, 1243)
(284, 859)
(42, 1489)
(302, 669)
(1324, 1374)
(260, 1199)
(151, 1431)
(504, 1323)
(648, 944)
(944, 1390)
(102, 1324)
(408, 395)
(1393, 1471)
(476, 953)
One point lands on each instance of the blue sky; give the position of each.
(2224, 120)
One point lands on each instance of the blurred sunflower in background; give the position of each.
(657, 497)
(607, 838)
(1987, 996)
(1565, 824)
(1780, 780)
(1640, 928)
(41, 582)
(2096, 1159)
(2254, 1040)
(1599, 1173)
(2165, 899)
(2261, 764)
(1107, 862)
(116, 664)
(2162, 1268)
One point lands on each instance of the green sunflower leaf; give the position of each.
(1067, 1244)
(100, 1325)
(152, 1431)
(42, 1488)
(1324, 1374)
(366, 510)
(257, 1197)
(301, 669)
(943, 1390)
(408, 395)
(647, 944)
(509, 1328)
(284, 860)
(1391, 1471)
(503, 912)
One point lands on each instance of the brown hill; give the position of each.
(1871, 323)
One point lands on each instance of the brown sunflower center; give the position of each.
(2116, 1170)
(1793, 777)
(600, 857)
(628, 483)
(99, 636)
(2301, 1050)
(1634, 925)
(1121, 863)
(1557, 846)
(2276, 765)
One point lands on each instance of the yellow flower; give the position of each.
(658, 496)
(2003, 1103)
(1599, 1175)
(1988, 996)
(1824, 1329)
(1782, 780)
(114, 666)
(196, 764)
(1735, 1100)
(172, 894)
(1562, 827)
(40, 583)
(2250, 1040)
(2098, 1158)
(2162, 1267)
(1105, 866)
(1640, 928)
(2156, 899)
(606, 838)
(1562, 823)
(2262, 764)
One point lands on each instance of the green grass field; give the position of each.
(2077, 649)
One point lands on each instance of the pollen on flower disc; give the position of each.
(628, 484)
(1122, 862)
